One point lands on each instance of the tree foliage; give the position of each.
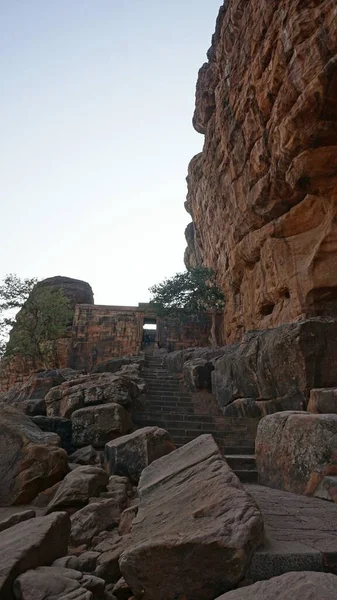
(44, 316)
(187, 294)
(13, 294)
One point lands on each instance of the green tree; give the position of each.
(14, 292)
(44, 316)
(189, 294)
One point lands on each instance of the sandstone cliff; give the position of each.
(263, 193)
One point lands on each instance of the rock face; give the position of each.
(196, 527)
(30, 460)
(97, 425)
(263, 193)
(88, 390)
(290, 586)
(275, 370)
(296, 451)
(77, 291)
(130, 454)
(28, 545)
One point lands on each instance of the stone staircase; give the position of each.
(169, 405)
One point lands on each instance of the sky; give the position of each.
(97, 98)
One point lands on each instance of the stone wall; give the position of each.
(101, 332)
(263, 193)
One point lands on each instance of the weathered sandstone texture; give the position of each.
(100, 388)
(290, 586)
(263, 193)
(30, 460)
(323, 400)
(196, 527)
(130, 454)
(297, 452)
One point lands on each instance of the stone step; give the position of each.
(246, 476)
(175, 417)
(241, 462)
(227, 441)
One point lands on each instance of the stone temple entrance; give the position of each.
(149, 341)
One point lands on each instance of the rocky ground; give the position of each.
(96, 509)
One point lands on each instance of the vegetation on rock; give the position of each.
(189, 294)
(44, 316)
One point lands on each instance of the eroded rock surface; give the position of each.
(196, 527)
(263, 193)
(90, 390)
(30, 460)
(295, 451)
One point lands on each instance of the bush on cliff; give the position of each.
(189, 294)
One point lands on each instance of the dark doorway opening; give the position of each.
(149, 333)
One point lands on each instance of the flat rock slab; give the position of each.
(301, 534)
(196, 528)
(28, 545)
(291, 586)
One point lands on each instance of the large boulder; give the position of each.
(29, 395)
(28, 545)
(301, 585)
(130, 454)
(277, 366)
(295, 451)
(100, 515)
(323, 400)
(76, 290)
(62, 427)
(30, 460)
(97, 425)
(77, 487)
(174, 361)
(56, 583)
(90, 390)
(196, 522)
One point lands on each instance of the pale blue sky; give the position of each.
(97, 98)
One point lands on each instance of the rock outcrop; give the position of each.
(268, 371)
(297, 452)
(88, 390)
(263, 193)
(196, 527)
(30, 460)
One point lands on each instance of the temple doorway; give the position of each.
(149, 333)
